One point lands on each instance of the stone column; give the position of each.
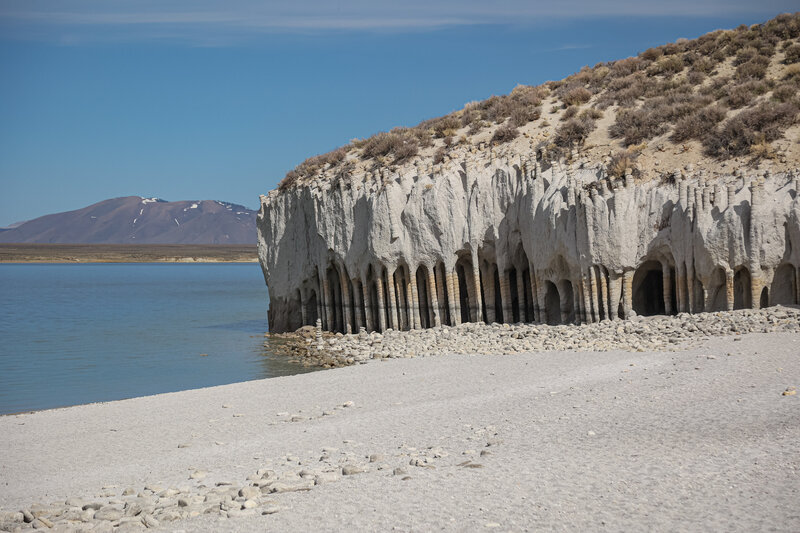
(453, 295)
(401, 304)
(627, 294)
(414, 300)
(797, 270)
(367, 307)
(595, 289)
(690, 287)
(381, 301)
(302, 309)
(756, 284)
(359, 319)
(587, 299)
(577, 302)
(540, 295)
(523, 309)
(330, 320)
(434, 301)
(393, 316)
(488, 289)
(679, 298)
(505, 295)
(476, 301)
(614, 294)
(348, 327)
(534, 294)
(666, 277)
(729, 289)
(440, 294)
(604, 293)
(731, 195)
(413, 305)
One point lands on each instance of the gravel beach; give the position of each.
(705, 438)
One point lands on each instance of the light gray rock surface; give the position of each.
(491, 236)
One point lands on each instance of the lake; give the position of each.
(81, 333)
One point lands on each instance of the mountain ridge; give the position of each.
(141, 220)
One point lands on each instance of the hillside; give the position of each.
(137, 220)
(726, 100)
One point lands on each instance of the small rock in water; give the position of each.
(790, 391)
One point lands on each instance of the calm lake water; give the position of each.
(73, 334)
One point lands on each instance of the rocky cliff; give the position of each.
(496, 236)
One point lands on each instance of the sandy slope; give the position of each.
(588, 441)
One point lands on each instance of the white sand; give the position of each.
(580, 441)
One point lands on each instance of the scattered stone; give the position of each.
(249, 493)
(198, 474)
(351, 470)
(108, 513)
(790, 391)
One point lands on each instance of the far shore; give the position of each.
(128, 253)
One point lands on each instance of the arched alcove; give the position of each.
(567, 302)
(783, 287)
(552, 303)
(764, 300)
(463, 292)
(514, 290)
(648, 289)
(498, 297)
(717, 290)
(742, 298)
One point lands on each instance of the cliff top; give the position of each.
(724, 101)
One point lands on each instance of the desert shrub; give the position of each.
(626, 67)
(444, 126)
(716, 88)
(438, 157)
(703, 64)
(744, 55)
(574, 132)
(698, 125)
(784, 92)
(522, 115)
(569, 113)
(636, 125)
(695, 77)
(592, 113)
(742, 95)
(766, 123)
(762, 149)
(792, 72)
(402, 145)
(469, 115)
(576, 96)
(792, 54)
(651, 54)
(755, 68)
(621, 162)
(476, 126)
(667, 66)
(504, 134)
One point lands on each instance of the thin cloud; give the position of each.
(191, 20)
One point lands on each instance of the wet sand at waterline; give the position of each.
(698, 440)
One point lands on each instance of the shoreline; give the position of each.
(13, 253)
(560, 439)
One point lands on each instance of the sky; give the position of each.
(195, 100)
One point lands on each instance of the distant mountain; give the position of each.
(137, 220)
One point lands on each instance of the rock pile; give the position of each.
(638, 334)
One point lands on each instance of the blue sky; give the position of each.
(218, 100)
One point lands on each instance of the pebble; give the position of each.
(351, 470)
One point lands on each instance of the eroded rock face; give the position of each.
(481, 238)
